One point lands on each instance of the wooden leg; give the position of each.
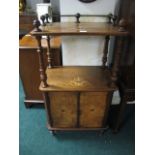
(27, 104)
(120, 114)
(53, 132)
(104, 130)
(30, 103)
(101, 132)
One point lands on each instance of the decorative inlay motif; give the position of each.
(78, 82)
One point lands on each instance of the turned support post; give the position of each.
(49, 54)
(105, 51)
(117, 56)
(43, 77)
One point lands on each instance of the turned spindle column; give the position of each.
(49, 54)
(105, 52)
(117, 55)
(43, 77)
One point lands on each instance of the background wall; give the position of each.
(32, 4)
(55, 3)
(86, 50)
(97, 7)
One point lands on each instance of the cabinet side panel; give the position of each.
(92, 109)
(29, 73)
(63, 109)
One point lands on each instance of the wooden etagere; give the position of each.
(78, 98)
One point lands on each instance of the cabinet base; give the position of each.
(30, 103)
(102, 129)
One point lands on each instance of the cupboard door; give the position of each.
(63, 108)
(92, 109)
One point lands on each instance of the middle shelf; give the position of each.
(78, 78)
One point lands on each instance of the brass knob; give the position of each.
(36, 24)
(46, 17)
(43, 19)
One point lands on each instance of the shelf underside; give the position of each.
(78, 79)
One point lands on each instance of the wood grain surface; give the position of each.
(90, 78)
(85, 28)
(29, 42)
(63, 107)
(68, 110)
(92, 109)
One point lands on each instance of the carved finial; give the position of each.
(47, 16)
(43, 20)
(114, 18)
(77, 17)
(123, 25)
(110, 17)
(36, 23)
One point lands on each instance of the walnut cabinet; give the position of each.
(71, 110)
(78, 97)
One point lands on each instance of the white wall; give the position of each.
(97, 7)
(84, 50)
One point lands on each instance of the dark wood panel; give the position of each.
(127, 70)
(26, 20)
(29, 73)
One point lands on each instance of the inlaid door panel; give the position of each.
(92, 109)
(63, 107)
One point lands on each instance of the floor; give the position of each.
(36, 140)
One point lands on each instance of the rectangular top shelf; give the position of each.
(83, 28)
(87, 78)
